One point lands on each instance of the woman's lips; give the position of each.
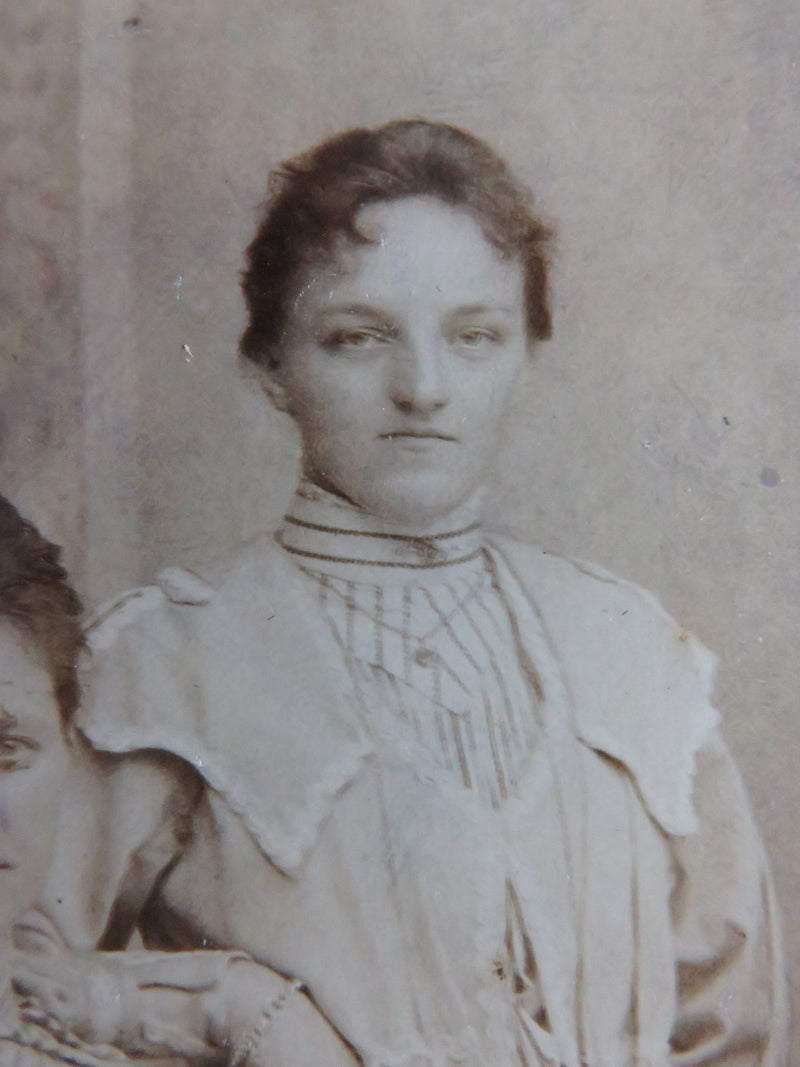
(418, 435)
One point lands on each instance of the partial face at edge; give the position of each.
(33, 759)
(399, 360)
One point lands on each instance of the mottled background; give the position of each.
(656, 434)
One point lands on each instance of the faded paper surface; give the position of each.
(657, 431)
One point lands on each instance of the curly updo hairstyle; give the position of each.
(315, 198)
(36, 598)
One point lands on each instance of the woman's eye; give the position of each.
(361, 338)
(478, 336)
(16, 753)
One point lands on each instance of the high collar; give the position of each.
(329, 533)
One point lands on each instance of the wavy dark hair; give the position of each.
(37, 599)
(314, 200)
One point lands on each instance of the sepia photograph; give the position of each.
(399, 578)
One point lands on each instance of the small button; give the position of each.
(426, 657)
(422, 549)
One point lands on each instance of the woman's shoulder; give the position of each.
(640, 683)
(587, 607)
(541, 560)
(219, 580)
(578, 585)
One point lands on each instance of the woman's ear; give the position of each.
(267, 372)
(273, 385)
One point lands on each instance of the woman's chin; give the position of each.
(409, 500)
(417, 506)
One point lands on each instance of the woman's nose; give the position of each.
(418, 380)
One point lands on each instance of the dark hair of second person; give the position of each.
(36, 598)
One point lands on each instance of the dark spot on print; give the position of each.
(769, 477)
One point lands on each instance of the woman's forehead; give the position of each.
(416, 247)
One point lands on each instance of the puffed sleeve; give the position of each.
(731, 993)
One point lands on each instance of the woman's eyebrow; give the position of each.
(481, 309)
(360, 310)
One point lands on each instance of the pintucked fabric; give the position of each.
(435, 657)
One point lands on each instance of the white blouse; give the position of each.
(347, 824)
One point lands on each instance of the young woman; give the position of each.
(40, 637)
(470, 795)
(85, 1008)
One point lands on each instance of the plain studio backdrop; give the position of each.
(657, 433)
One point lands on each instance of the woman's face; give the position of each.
(399, 359)
(33, 759)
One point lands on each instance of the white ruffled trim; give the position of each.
(284, 830)
(286, 849)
